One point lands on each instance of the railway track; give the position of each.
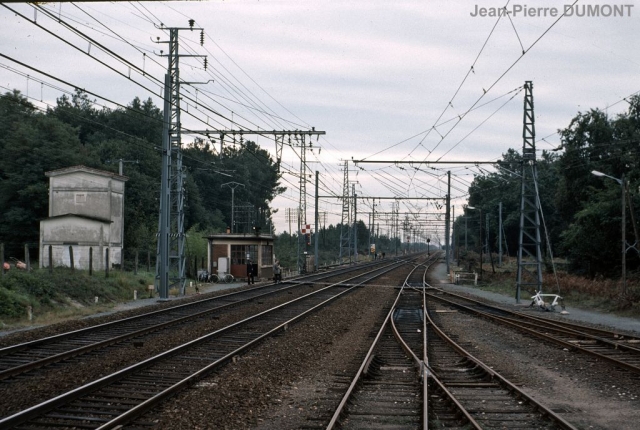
(386, 391)
(619, 349)
(480, 394)
(119, 398)
(415, 377)
(19, 359)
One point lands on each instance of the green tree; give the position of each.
(590, 205)
(31, 143)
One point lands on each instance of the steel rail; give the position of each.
(263, 290)
(160, 311)
(145, 405)
(427, 374)
(6, 373)
(333, 422)
(579, 327)
(556, 340)
(388, 322)
(503, 381)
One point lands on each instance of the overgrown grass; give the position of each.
(63, 293)
(599, 294)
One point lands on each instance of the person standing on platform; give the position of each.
(250, 275)
(277, 277)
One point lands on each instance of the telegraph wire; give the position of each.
(89, 92)
(244, 72)
(479, 125)
(443, 123)
(471, 70)
(117, 36)
(524, 52)
(106, 50)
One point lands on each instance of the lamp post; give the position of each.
(233, 186)
(624, 238)
(480, 237)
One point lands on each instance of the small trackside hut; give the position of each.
(229, 253)
(86, 217)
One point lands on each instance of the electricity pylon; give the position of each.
(529, 251)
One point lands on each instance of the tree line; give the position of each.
(581, 212)
(76, 132)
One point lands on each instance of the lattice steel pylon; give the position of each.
(529, 250)
(170, 260)
(302, 208)
(345, 227)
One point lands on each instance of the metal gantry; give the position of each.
(279, 135)
(529, 249)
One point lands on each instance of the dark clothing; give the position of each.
(277, 277)
(250, 274)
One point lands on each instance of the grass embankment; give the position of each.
(63, 294)
(598, 294)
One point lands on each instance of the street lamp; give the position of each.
(480, 238)
(624, 239)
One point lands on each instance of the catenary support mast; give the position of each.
(529, 250)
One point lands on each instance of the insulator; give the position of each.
(201, 37)
(205, 63)
(191, 22)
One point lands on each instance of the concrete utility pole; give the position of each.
(621, 181)
(373, 228)
(162, 258)
(233, 186)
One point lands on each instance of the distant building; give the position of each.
(229, 253)
(86, 210)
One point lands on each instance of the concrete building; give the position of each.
(228, 253)
(86, 211)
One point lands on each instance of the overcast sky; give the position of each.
(375, 75)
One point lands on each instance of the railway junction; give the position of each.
(387, 344)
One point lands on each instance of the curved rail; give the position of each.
(385, 363)
(479, 379)
(572, 336)
(477, 373)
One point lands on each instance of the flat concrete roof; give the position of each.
(246, 237)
